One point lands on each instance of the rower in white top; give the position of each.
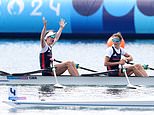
(113, 58)
(48, 39)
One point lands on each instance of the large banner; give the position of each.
(82, 16)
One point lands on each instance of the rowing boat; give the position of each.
(100, 103)
(68, 80)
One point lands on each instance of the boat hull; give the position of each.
(68, 80)
(105, 103)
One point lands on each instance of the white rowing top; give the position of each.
(109, 51)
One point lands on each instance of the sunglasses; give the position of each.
(53, 36)
(117, 40)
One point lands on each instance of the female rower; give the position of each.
(113, 59)
(48, 39)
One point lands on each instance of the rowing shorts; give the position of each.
(44, 73)
(115, 73)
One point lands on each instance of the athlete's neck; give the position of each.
(117, 46)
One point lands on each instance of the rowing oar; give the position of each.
(99, 73)
(57, 85)
(28, 73)
(52, 65)
(4, 73)
(77, 66)
(129, 85)
(145, 66)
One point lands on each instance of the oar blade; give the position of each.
(130, 86)
(57, 85)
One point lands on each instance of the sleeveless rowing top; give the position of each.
(45, 55)
(115, 57)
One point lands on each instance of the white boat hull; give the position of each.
(68, 80)
(111, 103)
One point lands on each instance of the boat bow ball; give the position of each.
(82, 16)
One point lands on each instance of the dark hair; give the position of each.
(46, 32)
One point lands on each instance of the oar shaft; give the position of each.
(151, 68)
(54, 73)
(87, 69)
(144, 68)
(129, 85)
(100, 73)
(28, 73)
(4, 73)
(127, 77)
(57, 61)
(78, 66)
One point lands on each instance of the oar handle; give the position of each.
(130, 63)
(57, 61)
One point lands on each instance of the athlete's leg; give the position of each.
(137, 69)
(141, 70)
(129, 71)
(70, 66)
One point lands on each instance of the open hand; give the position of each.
(44, 20)
(62, 23)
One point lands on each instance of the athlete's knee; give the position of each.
(131, 68)
(69, 63)
(138, 66)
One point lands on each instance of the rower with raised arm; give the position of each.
(48, 39)
(113, 58)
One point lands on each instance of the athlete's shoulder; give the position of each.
(109, 52)
(43, 50)
(109, 48)
(123, 51)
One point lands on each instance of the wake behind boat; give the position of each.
(70, 80)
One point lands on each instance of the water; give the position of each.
(23, 56)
